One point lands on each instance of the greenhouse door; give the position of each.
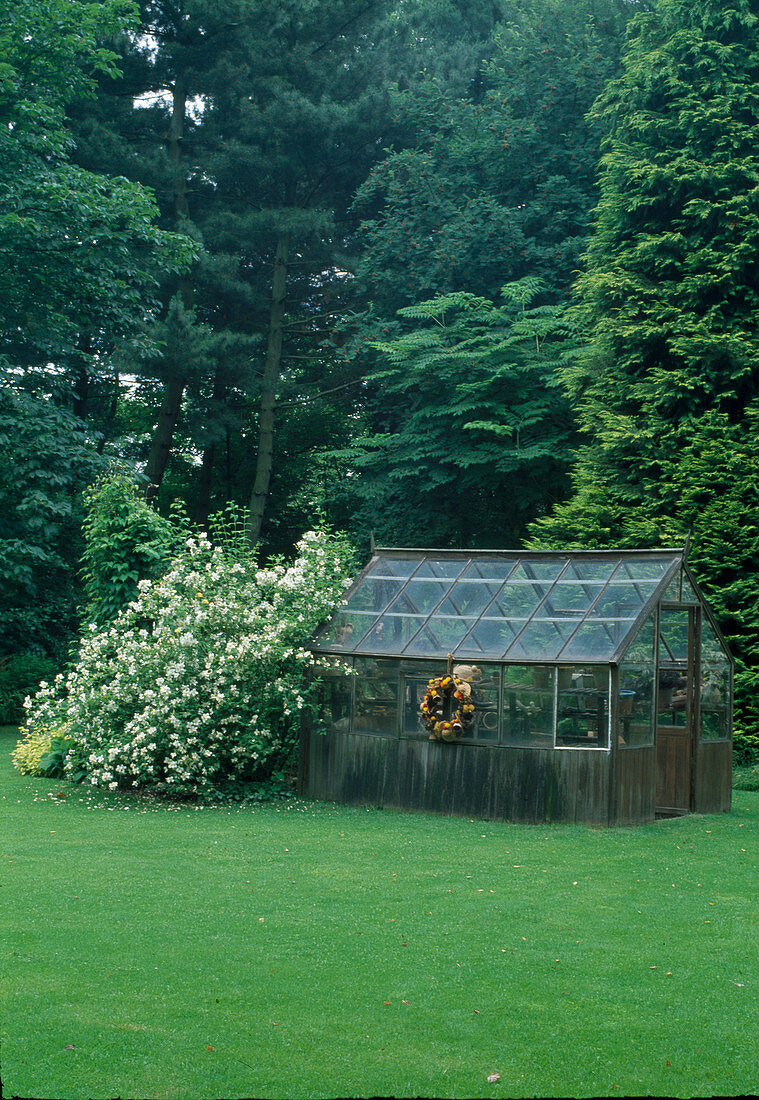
(676, 710)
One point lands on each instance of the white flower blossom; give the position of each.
(214, 689)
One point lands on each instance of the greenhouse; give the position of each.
(524, 686)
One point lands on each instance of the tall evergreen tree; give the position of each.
(264, 118)
(668, 389)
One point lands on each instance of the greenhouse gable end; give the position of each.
(524, 686)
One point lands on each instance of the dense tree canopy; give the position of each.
(431, 241)
(668, 388)
(81, 259)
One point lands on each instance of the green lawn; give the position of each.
(309, 950)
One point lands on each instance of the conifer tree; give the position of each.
(668, 388)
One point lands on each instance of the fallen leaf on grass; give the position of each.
(209, 1048)
(493, 1078)
(69, 1046)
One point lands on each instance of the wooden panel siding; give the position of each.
(714, 777)
(490, 782)
(635, 785)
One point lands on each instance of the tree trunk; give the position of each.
(171, 402)
(203, 500)
(205, 480)
(268, 392)
(163, 434)
(81, 406)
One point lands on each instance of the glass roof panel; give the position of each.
(440, 635)
(590, 570)
(512, 607)
(490, 638)
(622, 600)
(469, 598)
(497, 570)
(445, 568)
(420, 597)
(374, 594)
(391, 634)
(518, 601)
(543, 638)
(598, 639)
(650, 569)
(538, 570)
(567, 598)
(345, 629)
(394, 567)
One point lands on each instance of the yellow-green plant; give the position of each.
(36, 744)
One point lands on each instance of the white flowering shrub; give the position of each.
(203, 677)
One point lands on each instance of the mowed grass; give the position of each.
(311, 950)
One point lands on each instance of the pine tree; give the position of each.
(255, 122)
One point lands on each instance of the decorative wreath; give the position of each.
(439, 692)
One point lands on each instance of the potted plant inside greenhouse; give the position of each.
(586, 686)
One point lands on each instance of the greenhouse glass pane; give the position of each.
(486, 696)
(419, 597)
(469, 598)
(375, 697)
(582, 717)
(688, 594)
(537, 570)
(542, 640)
(622, 600)
(415, 681)
(439, 636)
(711, 647)
(673, 632)
(374, 594)
(490, 638)
(394, 567)
(335, 692)
(391, 633)
(445, 568)
(590, 570)
(488, 570)
(345, 629)
(518, 601)
(641, 651)
(528, 702)
(597, 639)
(715, 701)
(568, 598)
(635, 705)
(672, 591)
(648, 570)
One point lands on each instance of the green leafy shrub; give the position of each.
(126, 541)
(745, 749)
(202, 679)
(20, 676)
